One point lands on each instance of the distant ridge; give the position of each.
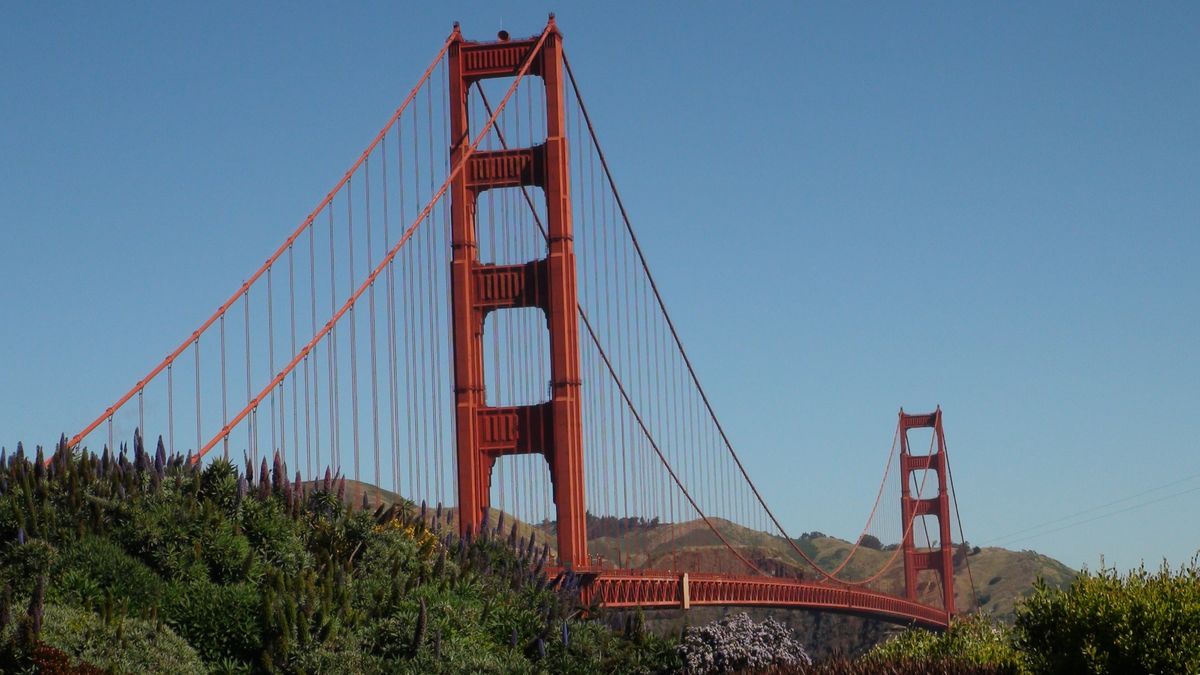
(1001, 576)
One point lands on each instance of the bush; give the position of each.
(902, 666)
(94, 568)
(870, 541)
(974, 640)
(261, 575)
(22, 563)
(739, 643)
(1106, 622)
(120, 645)
(222, 622)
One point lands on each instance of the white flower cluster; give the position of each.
(739, 643)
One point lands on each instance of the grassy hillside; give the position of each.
(1001, 576)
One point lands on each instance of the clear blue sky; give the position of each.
(991, 207)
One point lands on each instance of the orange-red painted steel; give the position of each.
(304, 225)
(465, 152)
(941, 558)
(618, 589)
(485, 433)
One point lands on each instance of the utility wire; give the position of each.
(1009, 538)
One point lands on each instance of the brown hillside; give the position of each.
(1001, 576)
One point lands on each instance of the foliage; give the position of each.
(151, 563)
(902, 666)
(975, 640)
(118, 643)
(870, 541)
(739, 643)
(90, 570)
(1106, 622)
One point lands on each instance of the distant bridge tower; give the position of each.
(940, 559)
(553, 428)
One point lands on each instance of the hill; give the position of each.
(1001, 576)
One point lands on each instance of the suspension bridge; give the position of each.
(467, 318)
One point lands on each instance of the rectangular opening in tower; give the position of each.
(929, 588)
(522, 490)
(521, 124)
(516, 357)
(510, 225)
(925, 532)
(921, 441)
(923, 484)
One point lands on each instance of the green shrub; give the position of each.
(257, 576)
(902, 666)
(221, 622)
(225, 553)
(93, 568)
(218, 483)
(1106, 622)
(870, 541)
(120, 645)
(21, 564)
(275, 537)
(973, 640)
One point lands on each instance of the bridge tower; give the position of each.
(552, 428)
(940, 559)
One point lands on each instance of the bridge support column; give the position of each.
(941, 558)
(553, 428)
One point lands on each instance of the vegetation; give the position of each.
(973, 642)
(738, 643)
(144, 562)
(1106, 622)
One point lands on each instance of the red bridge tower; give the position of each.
(553, 428)
(940, 559)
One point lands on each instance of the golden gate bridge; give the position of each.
(468, 318)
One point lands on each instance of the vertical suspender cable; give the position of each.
(353, 327)
(170, 407)
(275, 445)
(224, 390)
(371, 313)
(434, 375)
(292, 321)
(141, 412)
(249, 394)
(390, 313)
(335, 385)
(196, 348)
(314, 361)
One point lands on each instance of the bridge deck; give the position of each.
(663, 590)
